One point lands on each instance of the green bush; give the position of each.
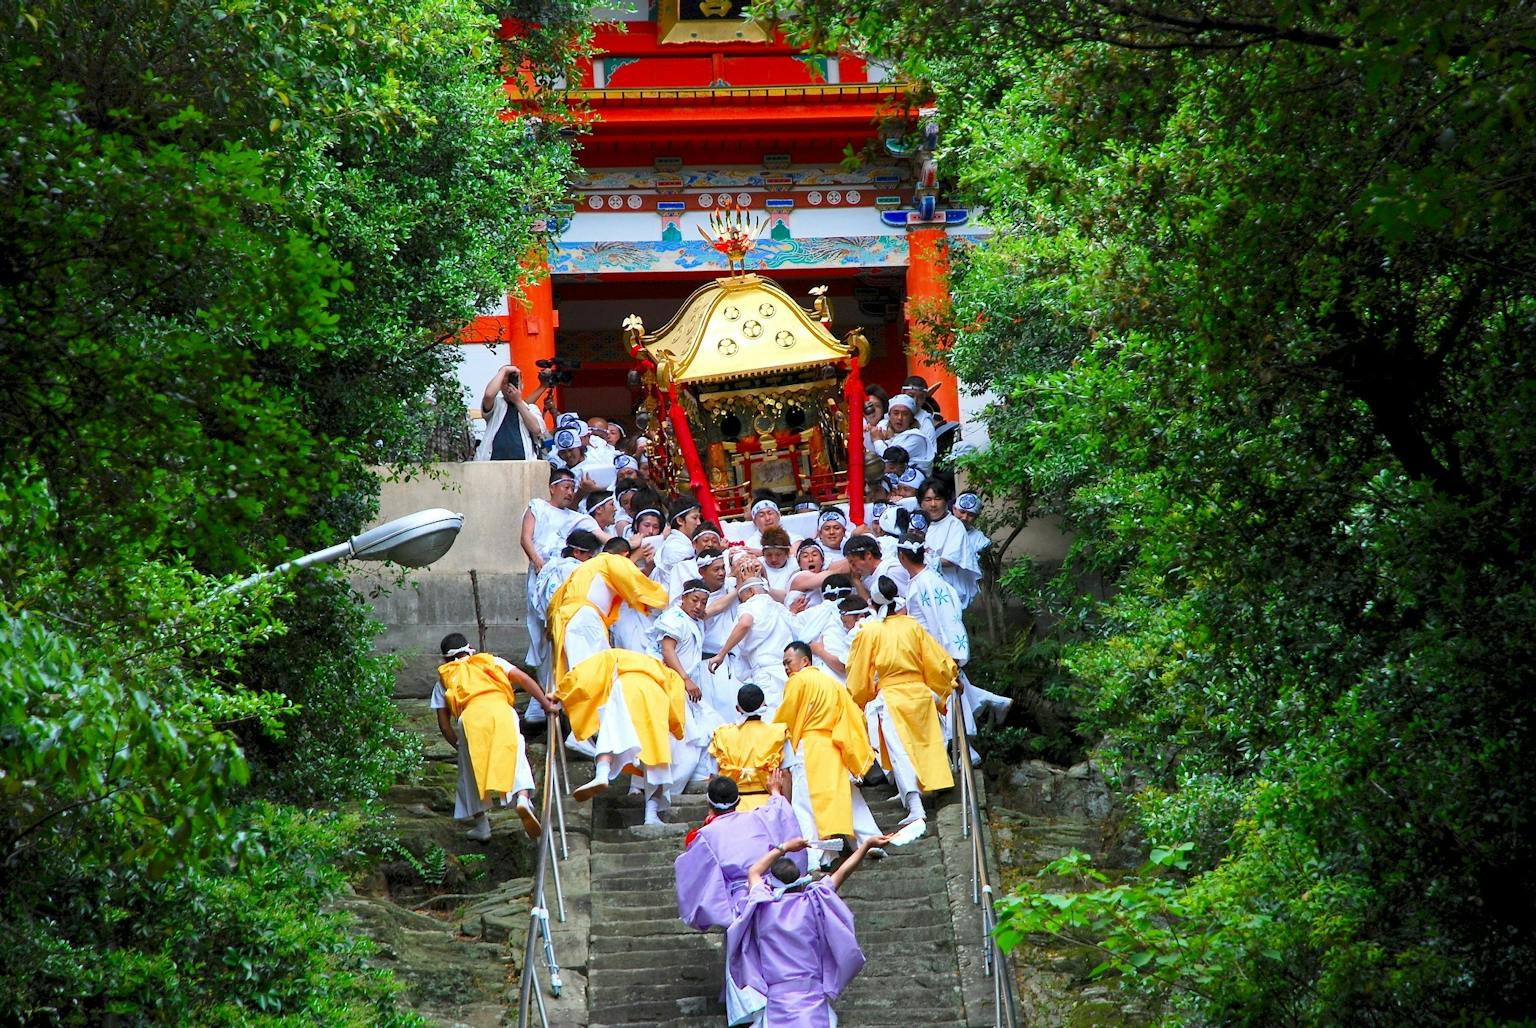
(344, 741)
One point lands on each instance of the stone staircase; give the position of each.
(644, 967)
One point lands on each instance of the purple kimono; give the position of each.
(798, 949)
(712, 873)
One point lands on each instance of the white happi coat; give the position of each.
(759, 656)
(690, 754)
(934, 604)
(947, 540)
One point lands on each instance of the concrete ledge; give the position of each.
(421, 606)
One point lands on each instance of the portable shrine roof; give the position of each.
(738, 327)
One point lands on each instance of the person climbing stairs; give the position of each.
(646, 967)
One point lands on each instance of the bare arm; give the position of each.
(669, 658)
(532, 420)
(493, 387)
(533, 689)
(757, 870)
(838, 667)
(846, 867)
(743, 625)
(719, 603)
(806, 581)
(445, 726)
(527, 542)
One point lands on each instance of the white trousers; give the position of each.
(744, 1005)
(719, 688)
(585, 636)
(902, 771)
(466, 794)
(691, 761)
(618, 739)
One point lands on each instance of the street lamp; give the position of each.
(415, 541)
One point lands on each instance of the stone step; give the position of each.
(709, 952)
(711, 1021)
(637, 930)
(656, 1011)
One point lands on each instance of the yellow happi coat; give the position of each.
(827, 727)
(480, 695)
(629, 585)
(747, 754)
(653, 692)
(897, 658)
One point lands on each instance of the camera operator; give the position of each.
(509, 438)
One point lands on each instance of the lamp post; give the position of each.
(415, 540)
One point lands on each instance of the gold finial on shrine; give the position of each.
(735, 234)
(820, 307)
(634, 329)
(857, 343)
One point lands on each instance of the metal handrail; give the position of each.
(995, 963)
(551, 822)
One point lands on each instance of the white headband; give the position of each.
(462, 651)
(753, 583)
(724, 806)
(651, 510)
(831, 515)
(695, 589)
(704, 562)
(904, 401)
(780, 888)
(762, 505)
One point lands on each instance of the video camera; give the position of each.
(554, 371)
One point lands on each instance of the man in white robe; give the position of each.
(933, 603)
(815, 622)
(581, 545)
(677, 640)
(949, 546)
(677, 545)
(757, 640)
(765, 514)
(901, 429)
(546, 524)
(868, 564)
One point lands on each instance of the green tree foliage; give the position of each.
(1260, 309)
(234, 238)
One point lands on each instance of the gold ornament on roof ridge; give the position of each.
(734, 234)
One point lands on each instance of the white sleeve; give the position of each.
(439, 699)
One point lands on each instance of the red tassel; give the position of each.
(683, 436)
(853, 396)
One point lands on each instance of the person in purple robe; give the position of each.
(712, 870)
(795, 941)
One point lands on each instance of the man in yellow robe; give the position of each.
(632, 706)
(583, 609)
(475, 713)
(895, 665)
(832, 750)
(749, 752)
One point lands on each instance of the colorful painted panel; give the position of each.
(697, 255)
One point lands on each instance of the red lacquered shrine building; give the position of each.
(696, 107)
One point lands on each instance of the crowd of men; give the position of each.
(783, 662)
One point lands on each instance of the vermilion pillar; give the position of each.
(927, 294)
(532, 320)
